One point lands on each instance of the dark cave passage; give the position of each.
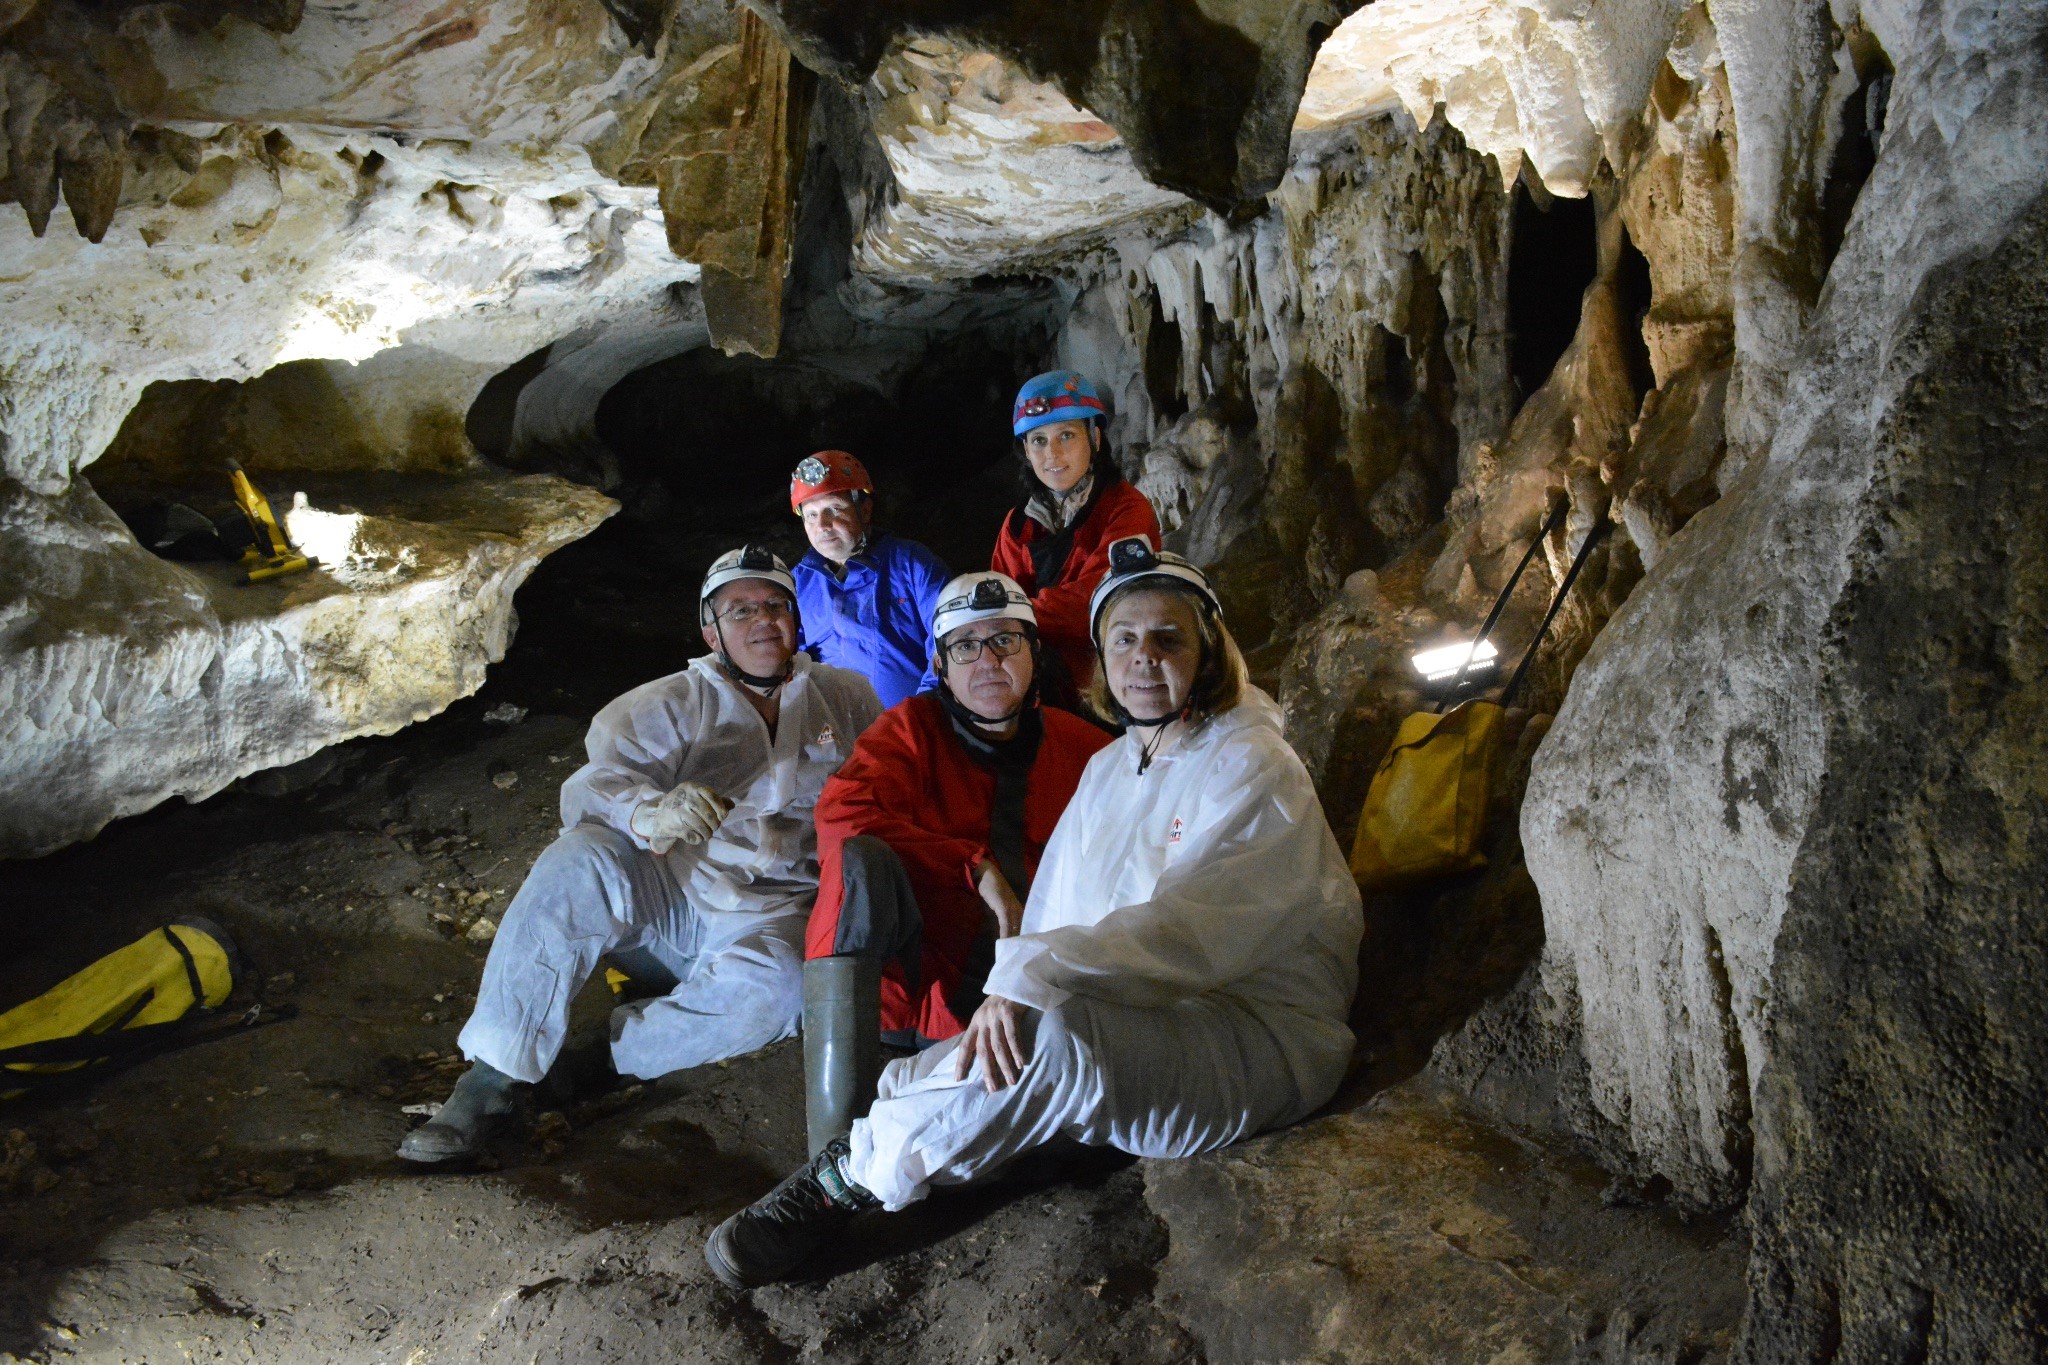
(704, 439)
(702, 445)
(1632, 296)
(1554, 256)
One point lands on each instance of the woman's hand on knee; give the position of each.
(992, 1036)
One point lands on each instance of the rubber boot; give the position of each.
(842, 1043)
(479, 1105)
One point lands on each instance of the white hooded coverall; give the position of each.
(726, 916)
(1190, 948)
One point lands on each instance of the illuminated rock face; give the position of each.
(1784, 816)
(994, 172)
(375, 211)
(129, 679)
(1204, 95)
(355, 185)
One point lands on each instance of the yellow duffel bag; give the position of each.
(1427, 807)
(132, 1000)
(1425, 814)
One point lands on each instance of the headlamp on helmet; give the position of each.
(1133, 562)
(1056, 396)
(828, 471)
(983, 596)
(748, 561)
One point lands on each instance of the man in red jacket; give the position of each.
(1056, 542)
(928, 837)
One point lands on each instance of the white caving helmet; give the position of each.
(748, 561)
(1132, 561)
(983, 596)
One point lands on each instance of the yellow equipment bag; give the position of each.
(128, 1002)
(1426, 811)
(1427, 807)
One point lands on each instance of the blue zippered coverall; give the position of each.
(877, 620)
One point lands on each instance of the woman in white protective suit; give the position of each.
(1186, 960)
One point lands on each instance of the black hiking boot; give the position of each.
(778, 1232)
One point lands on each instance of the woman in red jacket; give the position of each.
(1056, 542)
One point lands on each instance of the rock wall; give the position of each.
(364, 213)
(1899, 1111)
(129, 679)
(1763, 823)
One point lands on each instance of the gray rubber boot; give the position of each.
(479, 1105)
(842, 1043)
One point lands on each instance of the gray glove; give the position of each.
(691, 813)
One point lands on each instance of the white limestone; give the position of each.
(126, 679)
(1678, 786)
(994, 171)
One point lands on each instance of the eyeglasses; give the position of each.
(745, 612)
(1002, 644)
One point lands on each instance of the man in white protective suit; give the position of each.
(687, 854)
(1186, 962)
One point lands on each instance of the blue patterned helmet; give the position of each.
(1056, 396)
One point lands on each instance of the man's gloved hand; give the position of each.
(691, 813)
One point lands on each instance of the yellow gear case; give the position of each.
(132, 999)
(1425, 814)
(1427, 808)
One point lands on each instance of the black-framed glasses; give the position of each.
(745, 612)
(1002, 644)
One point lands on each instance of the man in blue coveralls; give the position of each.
(865, 598)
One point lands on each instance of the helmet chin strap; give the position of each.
(1147, 749)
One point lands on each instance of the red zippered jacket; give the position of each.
(1062, 603)
(911, 783)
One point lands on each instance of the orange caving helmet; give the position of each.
(828, 471)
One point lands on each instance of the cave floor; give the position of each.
(239, 1200)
